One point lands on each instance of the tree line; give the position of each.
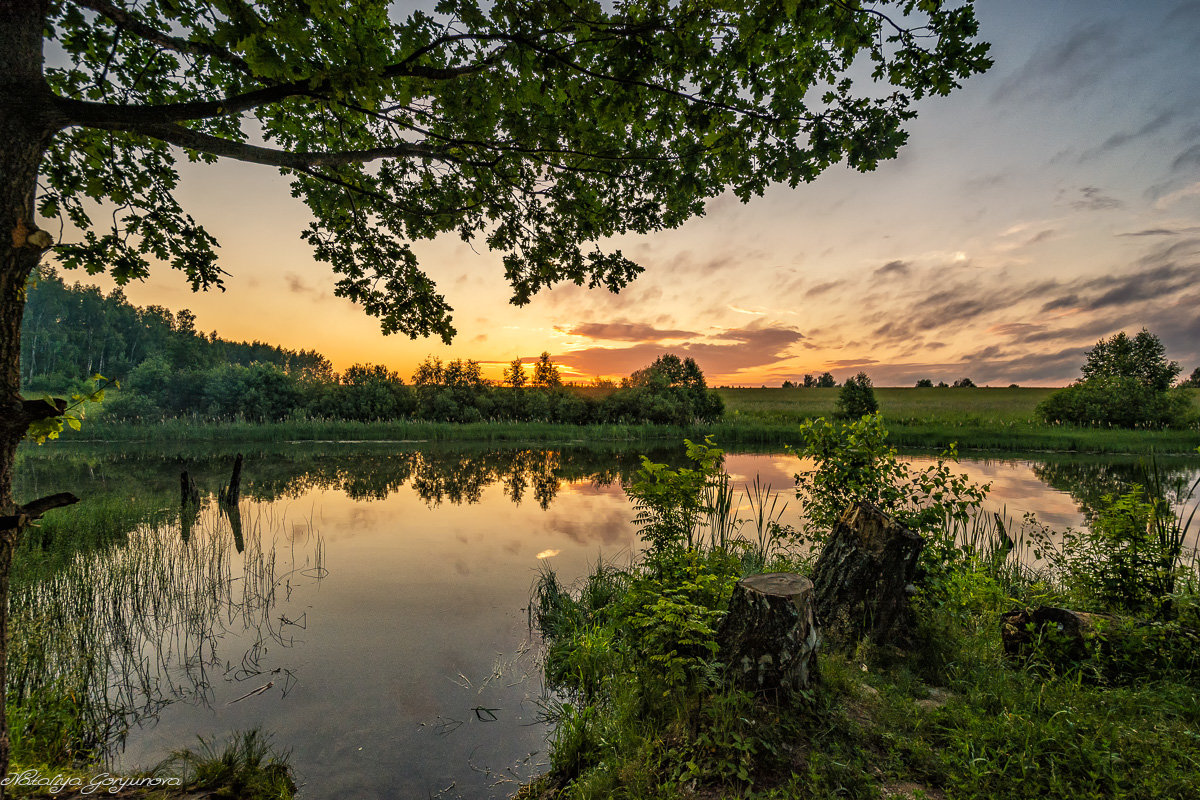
(70, 333)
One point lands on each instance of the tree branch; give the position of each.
(254, 154)
(84, 112)
(35, 509)
(124, 20)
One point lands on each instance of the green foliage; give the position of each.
(1143, 358)
(826, 381)
(1118, 401)
(1192, 381)
(72, 414)
(670, 502)
(514, 374)
(536, 136)
(1126, 383)
(857, 398)
(245, 767)
(853, 462)
(69, 332)
(545, 373)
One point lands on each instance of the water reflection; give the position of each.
(128, 631)
(398, 665)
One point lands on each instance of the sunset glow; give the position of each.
(1048, 203)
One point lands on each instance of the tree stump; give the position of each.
(1059, 636)
(769, 638)
(861, 579)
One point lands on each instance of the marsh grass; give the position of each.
(114, 635)
(246, 766)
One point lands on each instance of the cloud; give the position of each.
(1151, 126)
(1188, 158)
(892, 268)
(1179, 194)
(1062, 67)
(1015, 328)
(724, 354)
(1105, 292)
(823, 288)
(1094, 199)
(1152, 232)
(625, 332)
(296, 285)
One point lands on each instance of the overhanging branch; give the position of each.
(124, 20)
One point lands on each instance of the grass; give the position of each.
(642, 708)
(982, 418)
(117, 632)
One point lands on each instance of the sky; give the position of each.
(1050, 202)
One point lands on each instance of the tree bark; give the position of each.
(861, 579)
(769, 638)
(25, 131)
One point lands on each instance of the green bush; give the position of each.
(1120, 402)
(856, 398)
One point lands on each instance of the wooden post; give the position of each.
(232, 493)
(861, 579)
(769, 638)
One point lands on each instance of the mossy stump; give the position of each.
(1058, 636)
(862, 577)
(769, 638)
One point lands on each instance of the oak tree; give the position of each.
(539, 127)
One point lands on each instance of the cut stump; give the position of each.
(769, 638)
(1060, 636)
(862, 577)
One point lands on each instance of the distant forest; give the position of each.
(70, 333)
(167, 368)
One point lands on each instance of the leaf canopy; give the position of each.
(539, 127)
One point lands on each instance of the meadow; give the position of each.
(1001, 419)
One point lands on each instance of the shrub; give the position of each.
(1117, 401)
(857, 398)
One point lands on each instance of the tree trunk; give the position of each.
(25, 131)
(861, 579)
(769, 637)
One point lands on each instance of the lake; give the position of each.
(369, 606)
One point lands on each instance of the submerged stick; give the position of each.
(259, 690)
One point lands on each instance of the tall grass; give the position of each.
(108, 640)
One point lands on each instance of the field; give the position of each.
(974, 419)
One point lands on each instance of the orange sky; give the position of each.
(1050, 202)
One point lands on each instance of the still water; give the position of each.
(372, 614)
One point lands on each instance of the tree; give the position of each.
(1143, 358)
(788, 385)
(857, 398)
(540, 128)
(826, 381)
(1193, 380)
(925, 383)
(964, 383)
(809, 381)
(1125, 383)
(514, 374)
(545, 374)
(430, 372)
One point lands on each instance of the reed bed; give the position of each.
(124, 631)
